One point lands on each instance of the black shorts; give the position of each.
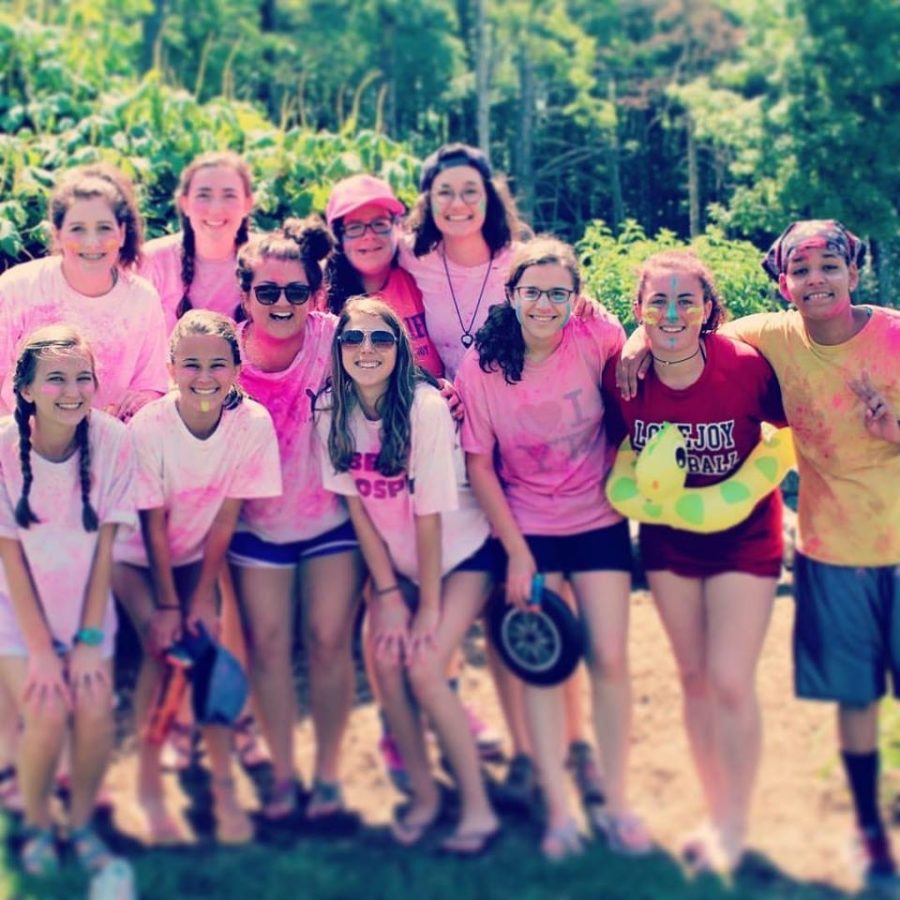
(602, 549)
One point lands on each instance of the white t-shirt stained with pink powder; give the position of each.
(435, 483)
(214, 285)
(549, 430)
(305, 509)
(59, 552)
(124, 327)
(190, 477)
(440, 314)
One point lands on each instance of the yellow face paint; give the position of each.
(693, 315)
(651, 315)
(205, 406)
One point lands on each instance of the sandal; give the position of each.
(408, 833)
(249, 745)
(10, 795)
(90, 849)
(179, 748)
(582, 763)
(562, 841)
(469, 844)
(281, 801)
(325, 801)
(624, 834)
(520, 787)
(233, 825)
(38, 854)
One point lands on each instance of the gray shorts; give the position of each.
(847, 631)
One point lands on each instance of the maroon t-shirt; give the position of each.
(719, 415)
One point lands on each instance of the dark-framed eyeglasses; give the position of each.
(529, 294)
(354, 230)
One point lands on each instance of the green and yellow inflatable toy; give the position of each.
(649, 486)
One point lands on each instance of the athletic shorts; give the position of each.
(252, 552)
(602, 549)
(484, 559)
(847, 631)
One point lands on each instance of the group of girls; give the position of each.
(346, 469)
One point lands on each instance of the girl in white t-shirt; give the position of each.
(201, 451)
(392, 451)
(194, 268)
(65, 473)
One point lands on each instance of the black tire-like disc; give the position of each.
(542, 646)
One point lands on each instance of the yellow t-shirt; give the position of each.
(849, 503)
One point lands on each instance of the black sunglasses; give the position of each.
(355, 337)
(296, 293)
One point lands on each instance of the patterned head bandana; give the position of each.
(827, 233)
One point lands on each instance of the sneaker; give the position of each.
(873, 859)
(394, 763)
(582, 763)
(488, 742)
(520, 786)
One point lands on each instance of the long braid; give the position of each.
(24, 514)
(88, 514)
(188, 252)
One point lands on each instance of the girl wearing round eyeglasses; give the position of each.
(363, 211)
(286, 349)
(531, 394)
(463, 226)
(392, 452)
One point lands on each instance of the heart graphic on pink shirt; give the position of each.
(543, 416)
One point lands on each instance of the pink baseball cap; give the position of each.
(358, 190)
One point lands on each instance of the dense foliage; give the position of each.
(706, 118)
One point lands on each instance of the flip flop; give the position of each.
(470, 844)
(408, 834)
(38, 854)
(562, 841)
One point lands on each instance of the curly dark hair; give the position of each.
(502, 224)
(308, 241)
(499, 342)
(687, 263)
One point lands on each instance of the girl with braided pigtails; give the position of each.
(194, 268)
(65, 472)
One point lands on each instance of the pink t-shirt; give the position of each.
(214, 285)
(549, 430)
(435, 482)
(305, 509)
(124, 327)
(59, 552)
(405, 299)
(443, 321)
(191, 477)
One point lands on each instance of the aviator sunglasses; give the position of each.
(379, 339)
(296, 293)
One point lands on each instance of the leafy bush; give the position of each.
(610, 265)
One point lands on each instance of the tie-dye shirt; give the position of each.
(190, 477)
(549, 430)
(214, 285)
(435, 483)
(58, 550)
(124, 327)
(849, 503)
(467, 281)
(305, 509)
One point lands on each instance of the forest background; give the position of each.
(621, 124)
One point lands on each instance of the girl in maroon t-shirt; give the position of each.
(714, 592)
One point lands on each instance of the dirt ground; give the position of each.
(801, 817)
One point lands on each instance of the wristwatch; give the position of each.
(93, 637)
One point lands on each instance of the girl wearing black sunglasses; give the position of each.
(286, 350)
(392, 451)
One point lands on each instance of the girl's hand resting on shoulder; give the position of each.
(520, 572)
(881, 419)
(448, 392)
(390, 627)
(45, 681)
(87, 677)
(634, 361)
(131, 403)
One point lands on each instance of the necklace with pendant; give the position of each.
(466, 338)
